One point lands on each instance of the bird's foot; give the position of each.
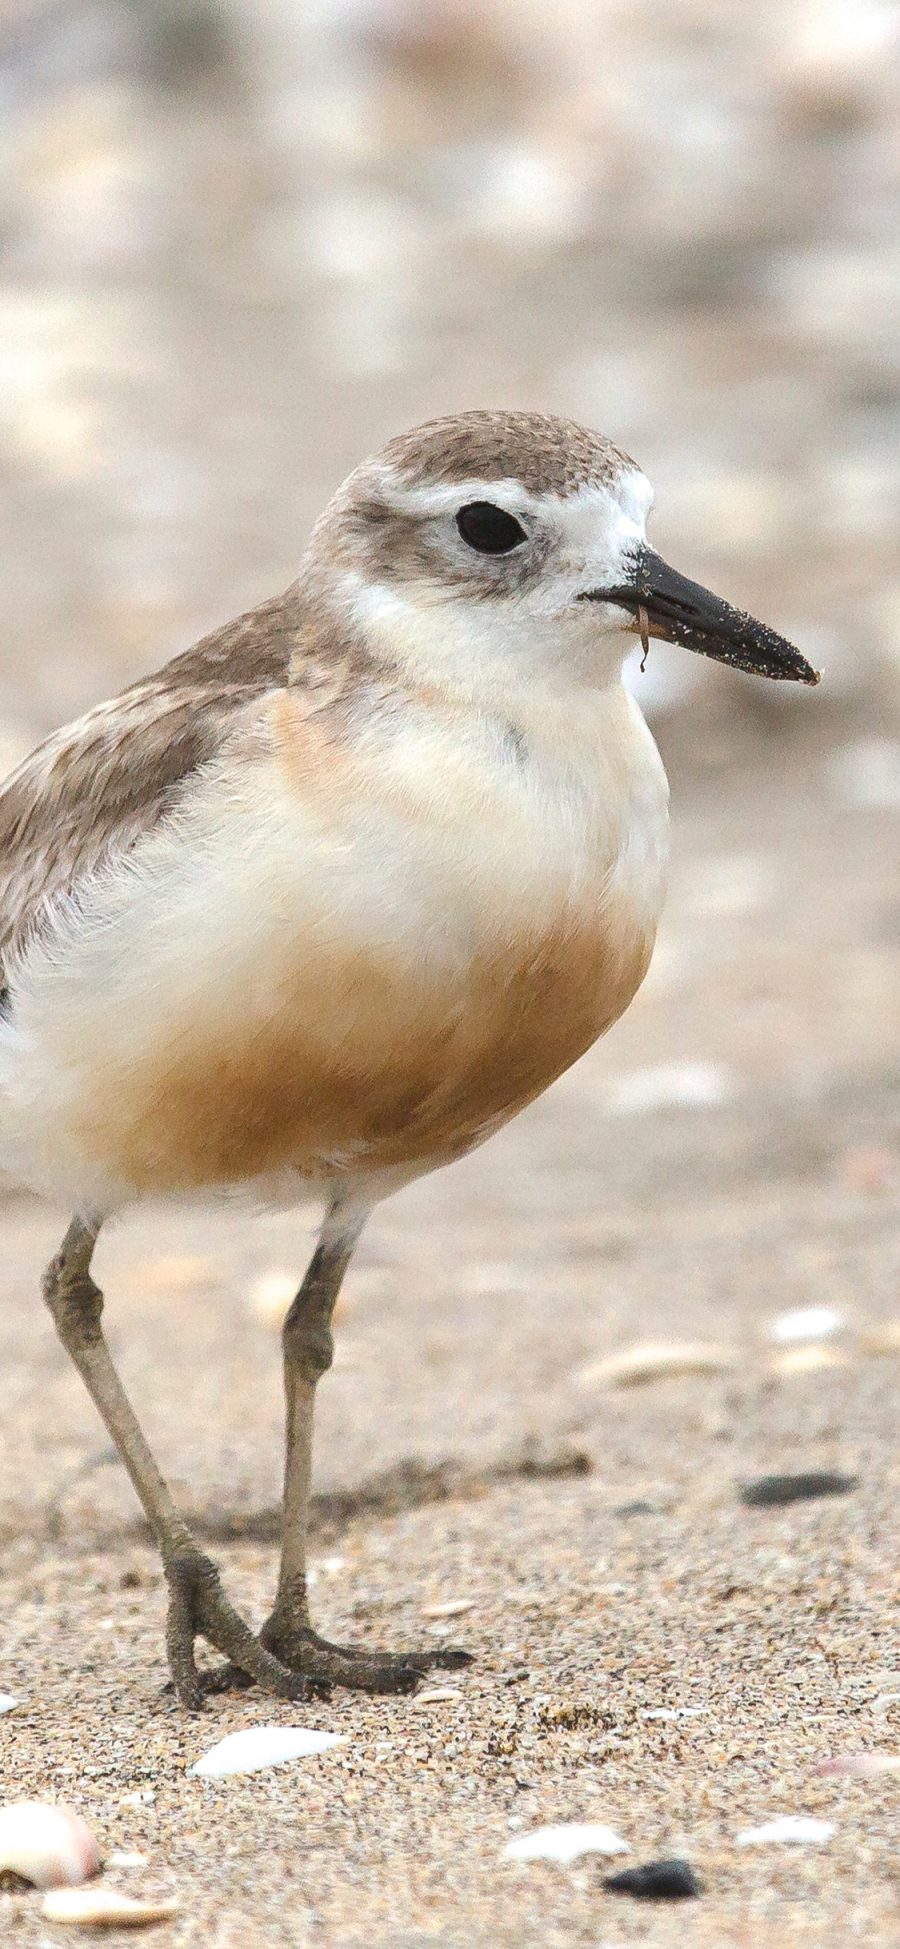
(198, 1607)
(296, 1645)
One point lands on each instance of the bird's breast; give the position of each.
(339, 972)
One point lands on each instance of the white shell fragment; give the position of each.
(125, 1858)
(806, 1323)
(51, 1847)
(795, 1829)
(673, 1712)
(104, 1908)
(454, 1607)
(860, 1766)
(258, 1746)
(654, 1360)
(439, 1695)
(7, 1702)
(271, 1294)
(670, 1085)
(566, 1842)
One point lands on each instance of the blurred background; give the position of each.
(242, 243)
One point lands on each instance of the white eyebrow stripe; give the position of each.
(444, 497)
(631, 494)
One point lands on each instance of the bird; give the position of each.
(325, 901)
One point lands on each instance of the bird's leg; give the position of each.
(197, 1602)
(308, 1349)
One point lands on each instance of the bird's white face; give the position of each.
(511, 551)
(499, 543)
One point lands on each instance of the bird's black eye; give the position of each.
(491, 530)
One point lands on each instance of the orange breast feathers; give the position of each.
(365, 1068)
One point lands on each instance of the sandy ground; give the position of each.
(597, 1533)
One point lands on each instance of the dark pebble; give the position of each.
(657, 1881)
(771, 1490)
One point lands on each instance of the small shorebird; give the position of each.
(324, 902)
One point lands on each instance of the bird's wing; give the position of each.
(91, 790)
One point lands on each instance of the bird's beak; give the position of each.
(684, 612)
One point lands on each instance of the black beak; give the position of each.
(684, 612)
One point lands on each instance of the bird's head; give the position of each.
(497, 546)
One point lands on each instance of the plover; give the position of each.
(329, 898)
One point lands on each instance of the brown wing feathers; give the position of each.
(95, 787)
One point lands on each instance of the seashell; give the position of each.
(439, 1695)
(104, 1908)
(805, 1360)
(794, 1829)
(805, 1323)
(566, 1842)
(50, 1846)
(454, 1607)
(258, 1746)
(7, 1702)
(654, 1360)
(884, 1339)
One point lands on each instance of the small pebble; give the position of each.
(806, 1323)
(654, 1360)
(797, 1830)
(104, 1908)
(454, 1607)
(656, 1881)
(772, 1491)
(439, 1695)
(125, 1858)
(259, 1746)
(566, 1842)
(7, 1702)
(49, 1846)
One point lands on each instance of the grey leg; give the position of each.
(308, 1350)
(197, 1602)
